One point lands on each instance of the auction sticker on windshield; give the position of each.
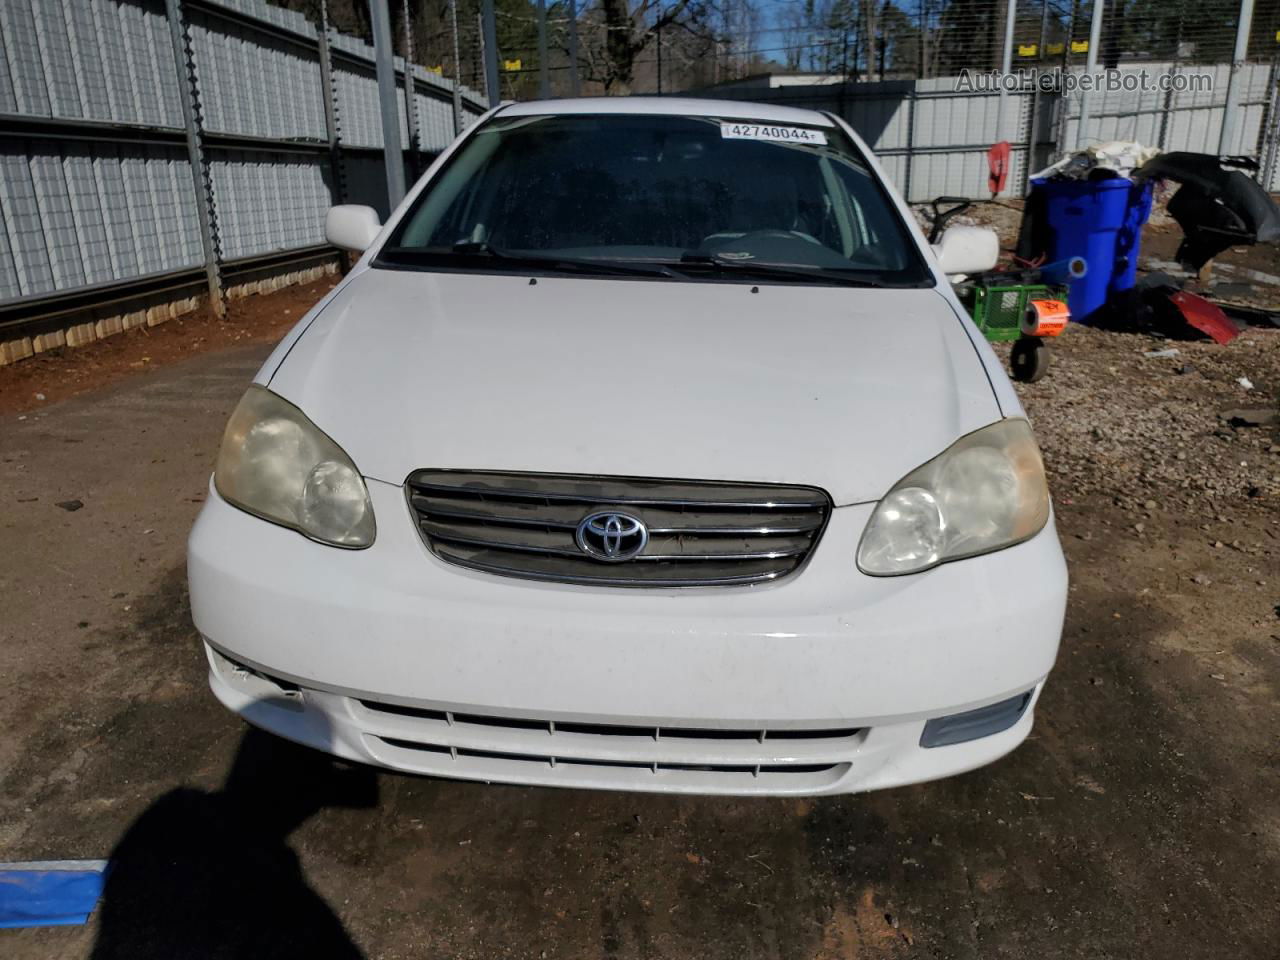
(760, 131)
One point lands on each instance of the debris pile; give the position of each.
(1217, 204)
(1094, 203)
(1118, 158)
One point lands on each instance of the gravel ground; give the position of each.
(1158, 429)
(1157, 432)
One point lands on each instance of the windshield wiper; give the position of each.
(484, 249)
(691, 262)
(710, 262)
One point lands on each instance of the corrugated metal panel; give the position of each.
(954, 173)
(177, 183)
(208, 56)
(283, 103)
(166, 85)
(114, 60)
(77, 214)
(86, 58)
(282, 115)
(80, 212)
(895, 168)
(94, 59)
(272, 225)
(1194, 117)
(310, 81)
(55, 219)
(86, 212)
(358, 107)
(23, 224)
(143, 72)
(9, 286)
(947, 118)
(108, 169)
(55, 56)
(289, 20)
(22, 50)
(435, 118)
(403, 113)
(269, 202)
(219, 188)
(8, 96)
(879, 120)
(167, 215)
(256, 99)
(137, 192)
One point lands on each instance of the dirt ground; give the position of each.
(1140, 819)
(68, 372)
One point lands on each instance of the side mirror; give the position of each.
(967, 250)
(351, 226)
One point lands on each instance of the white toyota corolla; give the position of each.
(646, 447)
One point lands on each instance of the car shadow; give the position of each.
(211, 874)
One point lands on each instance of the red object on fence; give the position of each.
(998, 164)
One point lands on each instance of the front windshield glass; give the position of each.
(682, 197)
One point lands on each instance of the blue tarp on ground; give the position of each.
(49, 893)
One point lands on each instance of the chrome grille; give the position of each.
(700, 533)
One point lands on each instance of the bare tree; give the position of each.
(618, 40)
(798, 34)
(625, 29)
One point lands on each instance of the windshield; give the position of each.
(680, 197)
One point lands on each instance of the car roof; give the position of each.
(668, 106)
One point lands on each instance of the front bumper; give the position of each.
(392, 657)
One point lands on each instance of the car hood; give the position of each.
(841, 388)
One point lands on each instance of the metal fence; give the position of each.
(143, 139)
(905, 96)
(933, 135)
(136, 147)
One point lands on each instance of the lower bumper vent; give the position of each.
(656, 767)
(612, 755)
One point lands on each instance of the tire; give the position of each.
(1029, 360)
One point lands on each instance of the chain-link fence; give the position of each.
(1194, 76)
(677, 45)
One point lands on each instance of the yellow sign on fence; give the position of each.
(1079, 46)
(512, 64)
(1027, 49)
(1054, 49)
(438, 71)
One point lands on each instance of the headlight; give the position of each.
(278, 465)
(986, 492)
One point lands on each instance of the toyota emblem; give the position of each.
(611, 536)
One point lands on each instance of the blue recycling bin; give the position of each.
(1129, 239)
(1100, 221)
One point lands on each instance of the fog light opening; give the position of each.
(975, 724)
(244, 676)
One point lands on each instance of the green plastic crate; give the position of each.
(998, 310)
